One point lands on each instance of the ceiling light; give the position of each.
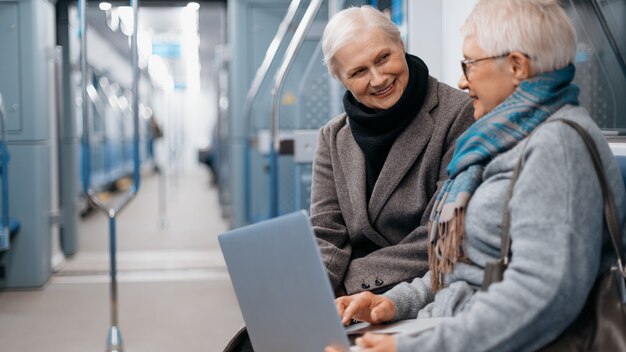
(193, 6)
(105, 6)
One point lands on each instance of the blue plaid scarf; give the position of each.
(534, 101)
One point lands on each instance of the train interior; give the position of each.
(133, 134)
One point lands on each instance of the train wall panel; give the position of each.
(28, 262)
(31, 109)
(9, 60)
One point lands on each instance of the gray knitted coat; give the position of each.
(556, 230)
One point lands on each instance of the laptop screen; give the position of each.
(281, 285)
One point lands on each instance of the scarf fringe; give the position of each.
(534, 101)
(448, 249)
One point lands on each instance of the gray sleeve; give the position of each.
(409, 298)
(556, 234)
(326, 216)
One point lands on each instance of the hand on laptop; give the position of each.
(365, 306)
(371, 343)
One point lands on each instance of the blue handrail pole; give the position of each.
(274, 177)
(135, 106)
(85, 108)
(114, 338)
(113, 267)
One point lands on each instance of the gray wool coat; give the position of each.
(396, 216)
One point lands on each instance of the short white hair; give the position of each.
(349, 23)
(537, 28)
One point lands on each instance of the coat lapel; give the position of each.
(353, 167)
(403, 153)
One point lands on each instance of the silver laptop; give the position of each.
(283, 290)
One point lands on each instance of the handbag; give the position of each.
(601, 325)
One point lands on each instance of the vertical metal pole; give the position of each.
(113, 268)
(135, 107)
(68, 137)
(114, 340)
(85, 98)
(334, 6)
(274, 176)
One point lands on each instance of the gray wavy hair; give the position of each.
(349, 23)
(537, 28)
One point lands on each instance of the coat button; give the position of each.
(378, 282)
(365, 286)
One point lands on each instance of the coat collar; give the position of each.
(404, 152)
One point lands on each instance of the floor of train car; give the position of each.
(174, 290)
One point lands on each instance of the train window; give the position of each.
(614, 12)
(601, 69)
(396, 9)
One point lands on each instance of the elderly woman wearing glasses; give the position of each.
(518, 70)
(379, 165)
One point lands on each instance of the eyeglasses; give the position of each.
(466, 63)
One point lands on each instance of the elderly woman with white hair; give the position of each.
(518, 69)
(379, 164)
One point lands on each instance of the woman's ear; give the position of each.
(520, 67)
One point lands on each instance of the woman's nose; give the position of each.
(463, 83)
(377, 78)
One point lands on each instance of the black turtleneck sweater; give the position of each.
(375, 130)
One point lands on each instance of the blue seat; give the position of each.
(5, 238)
(14, 227)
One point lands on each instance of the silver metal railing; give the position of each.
(290, 54)
(259, 78)
(114, 338)
(270, 56)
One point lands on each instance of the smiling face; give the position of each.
(373, 68)
(490, 81)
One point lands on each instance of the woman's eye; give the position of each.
(383, 58)
(358, 73)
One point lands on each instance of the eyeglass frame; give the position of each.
(465, 63)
